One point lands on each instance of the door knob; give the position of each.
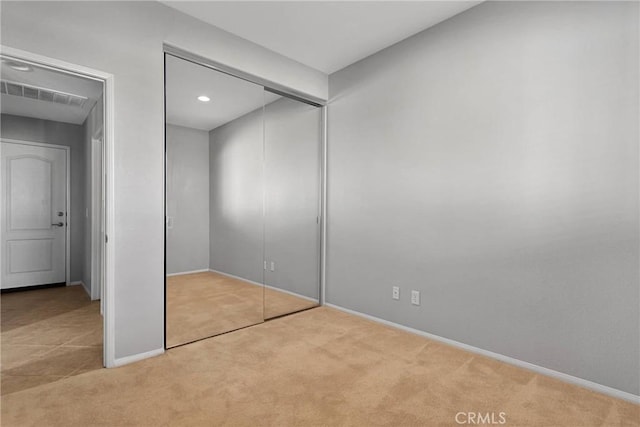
(59, 224)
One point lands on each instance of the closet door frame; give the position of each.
(322, 167)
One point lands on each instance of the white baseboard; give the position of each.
(510, 360)
(235, 277)
(188, 272)
(266, 286)
(137, 357)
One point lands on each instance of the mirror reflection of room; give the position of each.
(292, 135)
(242, 203)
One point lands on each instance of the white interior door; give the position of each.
(34, 218)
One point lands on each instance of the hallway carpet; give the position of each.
(48, 335)
(320, 367)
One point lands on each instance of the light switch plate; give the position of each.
(415, 297)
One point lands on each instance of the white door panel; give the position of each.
(34, 198)
(29, 256)
(29, 204)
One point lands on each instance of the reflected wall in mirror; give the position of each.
(214, 202)
(292, 189)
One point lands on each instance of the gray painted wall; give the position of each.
(491, 162)
(131, 35)
(292, 143)
(70, 135)
(236, 186)
(187, 199)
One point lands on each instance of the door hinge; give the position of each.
(106, 238)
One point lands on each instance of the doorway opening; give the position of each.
(55, 265)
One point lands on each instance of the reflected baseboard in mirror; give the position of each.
(202, 305)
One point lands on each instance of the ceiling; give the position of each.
(325, 35)
(47, 81)
(231, 97)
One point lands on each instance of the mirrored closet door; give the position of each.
(242, 203)
(214, 202)
(292, 140)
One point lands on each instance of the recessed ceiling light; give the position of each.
(204, 98)
(18, 66)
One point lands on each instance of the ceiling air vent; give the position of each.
(14, 89)
(30, 92)
(42, 94)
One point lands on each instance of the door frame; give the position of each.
(96, 215)
(67, 202)
(108, 247)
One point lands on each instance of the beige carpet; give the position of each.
(278, 303)
(48, 335)
(319, 367)
(201, 305)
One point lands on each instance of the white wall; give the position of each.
(125, 39)
(187, 199)
(491, 162)
(70, 135)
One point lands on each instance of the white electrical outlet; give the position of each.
(415, 297)
(273, 266)
(265, 265)
(395, 292)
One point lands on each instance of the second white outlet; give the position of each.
(273, 266)
(415, 297)
(395, 292)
